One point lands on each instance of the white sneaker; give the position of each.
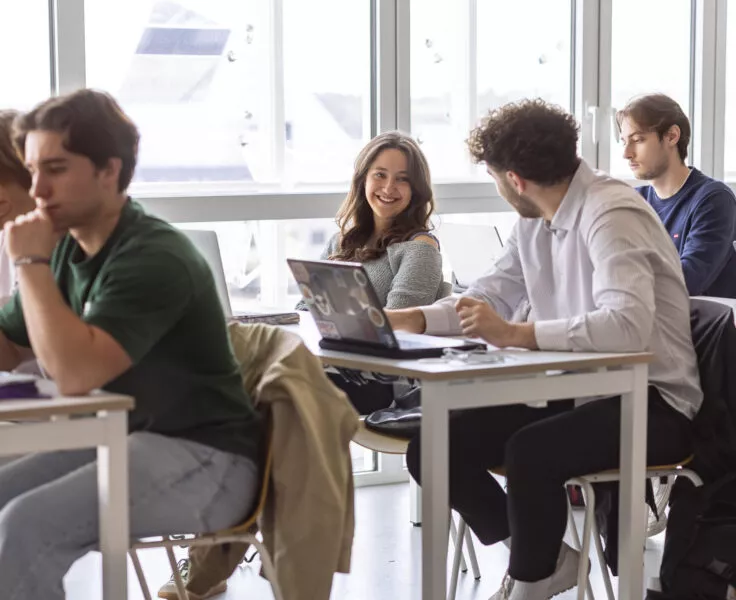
(507, 586)
(564, 578)
(168, 590)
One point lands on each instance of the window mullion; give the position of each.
(385, 57)
(708, 86)
(606, 117)
(586, 63)
(277, 116)
(68, 46)
(402, 60)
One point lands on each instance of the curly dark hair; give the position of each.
(534, 139)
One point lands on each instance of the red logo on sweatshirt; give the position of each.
(677, 235)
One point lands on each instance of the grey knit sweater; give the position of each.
(407, 274)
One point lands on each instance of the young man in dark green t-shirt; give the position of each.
(110, 297)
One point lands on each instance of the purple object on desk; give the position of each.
(20, 391)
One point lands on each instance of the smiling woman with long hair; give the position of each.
(385, 223)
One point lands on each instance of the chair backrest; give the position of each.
(714, 338)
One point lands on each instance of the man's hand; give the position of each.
(31, 234)
(478, 319)
(407, 319)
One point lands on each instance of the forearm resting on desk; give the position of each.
(407, 319)
(77, 355)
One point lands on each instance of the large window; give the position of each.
(651, 52)
(229, 92)
(252, 111)
(730, 119)
(25, 67)
(463, 64)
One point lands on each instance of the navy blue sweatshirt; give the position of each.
(701, 220)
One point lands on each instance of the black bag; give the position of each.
(699, 559)
(402, 419)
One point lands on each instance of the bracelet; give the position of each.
(31, 260)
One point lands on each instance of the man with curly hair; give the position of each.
(601, 274)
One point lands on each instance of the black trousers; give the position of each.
(541, 448)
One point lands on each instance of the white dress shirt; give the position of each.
(602, 276)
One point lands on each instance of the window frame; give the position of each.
(591, 44)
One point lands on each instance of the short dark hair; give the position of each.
(658, 113)
(532, 138)
(93, 125)
(12, 169)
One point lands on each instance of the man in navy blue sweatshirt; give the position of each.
(699, 212)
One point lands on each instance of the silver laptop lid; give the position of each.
(471, 249)
(206, 242)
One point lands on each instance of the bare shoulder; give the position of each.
(426, 239)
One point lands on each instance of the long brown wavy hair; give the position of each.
(355, 217)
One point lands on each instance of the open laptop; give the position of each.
(206, 242)
(209, 248)
(350, 318)
(471, 250)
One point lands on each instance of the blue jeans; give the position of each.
(49, 510)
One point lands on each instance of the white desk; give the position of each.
(101, 421)
(523, 378)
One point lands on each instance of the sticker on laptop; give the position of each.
(360, 278)
(376, 317)
(300, 271)
(323, 305)
(327, 329)
(339, 279)
(306, 293)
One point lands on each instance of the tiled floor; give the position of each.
(386, 561)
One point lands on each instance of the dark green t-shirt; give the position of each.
(151, 290)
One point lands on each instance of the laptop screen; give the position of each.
(342, 301)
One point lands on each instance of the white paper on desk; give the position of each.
(8, 378)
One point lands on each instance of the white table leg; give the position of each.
(435, 484)
(632, 509)
(112, 482)
(415, 503)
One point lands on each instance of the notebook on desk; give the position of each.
(208, 246)
(350, 317)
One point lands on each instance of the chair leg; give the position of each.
(456, 557)
(471, 553)
(139, 572)
(578, 546)
(605, 573)
(454, 538)
(180, 589)
(268, 568)
(584, 566)
(573, 527)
